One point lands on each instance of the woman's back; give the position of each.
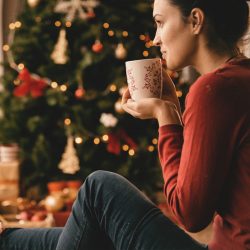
(232, 224)
(228, 89)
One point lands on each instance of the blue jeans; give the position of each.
(109, 213)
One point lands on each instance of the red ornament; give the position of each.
(97, 47)
(80, 92)
(91, 15)
(29, 85)
(114, 142)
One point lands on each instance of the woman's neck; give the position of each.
(207, 61)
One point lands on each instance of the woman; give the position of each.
(205, 158)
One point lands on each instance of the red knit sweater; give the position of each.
(206, 164)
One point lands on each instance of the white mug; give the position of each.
(144, 78)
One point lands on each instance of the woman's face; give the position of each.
(173, 35)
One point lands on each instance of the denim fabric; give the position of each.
(109, 213)
(30, 239)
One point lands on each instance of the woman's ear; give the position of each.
(197, 18)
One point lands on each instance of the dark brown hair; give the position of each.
(226, 20)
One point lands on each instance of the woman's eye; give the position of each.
(158, 23)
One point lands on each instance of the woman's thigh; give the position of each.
(30, 238)
(110, 205)
(157, 232)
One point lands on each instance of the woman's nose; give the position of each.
(157, 40)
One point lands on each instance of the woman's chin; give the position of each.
(173, 65)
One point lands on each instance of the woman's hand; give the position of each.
(151, 108)
(168, 90)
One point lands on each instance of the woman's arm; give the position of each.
(196, 160)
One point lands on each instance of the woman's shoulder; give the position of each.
(232, 75)
(207, 83)
(239, 68)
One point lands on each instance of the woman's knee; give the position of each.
(102, 176)
(101, 180)
(99, 187)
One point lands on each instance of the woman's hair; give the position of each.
(226, 20)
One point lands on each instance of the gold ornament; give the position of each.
(53, 203)
(120, 51)
(70, 162)
(33, 3)
(59, 55)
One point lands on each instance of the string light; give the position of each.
(68, 24)
(105, 25)
(54, 85)
(58, 23)
(105, 138)
(20, 66)
(151, 148)
(113, 87)
(18, 24)
(67, 121)
(179, 93)
(97, 141)
(149, 44)
(12, 26)
(16, 82)
(125, 147)
(145, 53)
(142, 37)
(111, 33)
(155, 141)
(6, 47)
(131, 152)
(125, 33)
(63, 88)
(78, 140)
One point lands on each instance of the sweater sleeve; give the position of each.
(195, 159)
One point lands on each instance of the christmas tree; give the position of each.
(64, 77)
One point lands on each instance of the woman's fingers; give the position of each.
(168, 88)
(126, 101)
(125, 96)
(145, 108)
(169, 91)
(130, 111)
